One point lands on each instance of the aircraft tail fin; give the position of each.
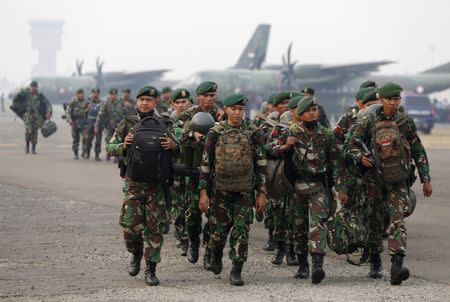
(443, 68)
(254, 53)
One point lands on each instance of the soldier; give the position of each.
(143, 213)
(314, 151)
(368, 84)
(192, 143)
(323, 119)
(230, 182)
(392, 133)
(109, 116)
(266, 108)
(77, 118)
(129, 106)
(95, 104)
(2, 102)
(179, 100)
(164, 103)
(37, 110)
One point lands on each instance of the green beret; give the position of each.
(308, 90)
(166, 89)
(180, 93)
(235, 99)
(390, 90)
(281, 96)
(34, 84)
(305, 103)
(295, 94)
(80, 91)
(371, 95)
(206, 87)
(113, 91)
(95, 90)
(270, 97)
(361, 92)
(294, 102)
(148, 91)
(368, 84)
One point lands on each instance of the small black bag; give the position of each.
(48, 128)
(147, 160)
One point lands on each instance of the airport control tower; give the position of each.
(46, 39)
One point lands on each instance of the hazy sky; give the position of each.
(187, 36)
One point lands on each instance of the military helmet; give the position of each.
(201, 122)
(286, 118)
(264, 108)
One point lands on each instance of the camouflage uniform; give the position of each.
(37, 106)
(144, 211)
(344, 123)
(232, 211)
(396, 195)
(323, 119)
(193, 214)
(129, 110)
(77, 114)
(93, 111)
(109, 116)
(309, 203)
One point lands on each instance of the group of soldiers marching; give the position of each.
(221, 165)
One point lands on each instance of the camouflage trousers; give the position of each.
(32, 125)
(193, 214)
(77, 133)
(142, 218)
(90, 134)
(309, 213)
(269, 217)
(397, 203)
(374, 211)
(233, 214)
(108, 134)
(281, 220)
(179, 208)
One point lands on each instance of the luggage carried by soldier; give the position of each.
(48, 128)
(147, 160)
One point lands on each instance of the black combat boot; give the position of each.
(88, 154)
(280, 253)
(270, 244)
(376, 269)
(75, 154)
(207, 259)
(216, 261)
(33, 148)
(150, 276)
(184, 244)
(167, 226)
(27, 147)
(259, 216)
(194, 244)
(303, 268)
(398, 272)
(235, 275)
(291, 259)
(97, 157)
(135, 264)
(108, 157)
(317, 268)
(83, 154)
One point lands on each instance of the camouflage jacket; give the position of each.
(323, 119)
(208, 162)
(316, 154)
(129, 109)
(77, 111)
(36, 105)
(110, 114)
(344, 123)
(363, 133)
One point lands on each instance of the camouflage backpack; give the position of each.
(347, 233)
(234, 171)
(391, 151)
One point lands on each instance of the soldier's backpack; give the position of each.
(391, 151)
(347, 234)
(147, 160)
(48, 128)
(19, 104)
(278, 182)
(234, 170)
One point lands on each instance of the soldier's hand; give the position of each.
(220, 114)
(427, 189)
(342, 197)
(197, 136)
(167, 143)
(128, 140)
(260, 203)
(96, 130)
(290, 141)
(204, 202)
(366, 162)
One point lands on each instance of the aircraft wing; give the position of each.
(139, 76)
(353, 70)
(444, 68)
